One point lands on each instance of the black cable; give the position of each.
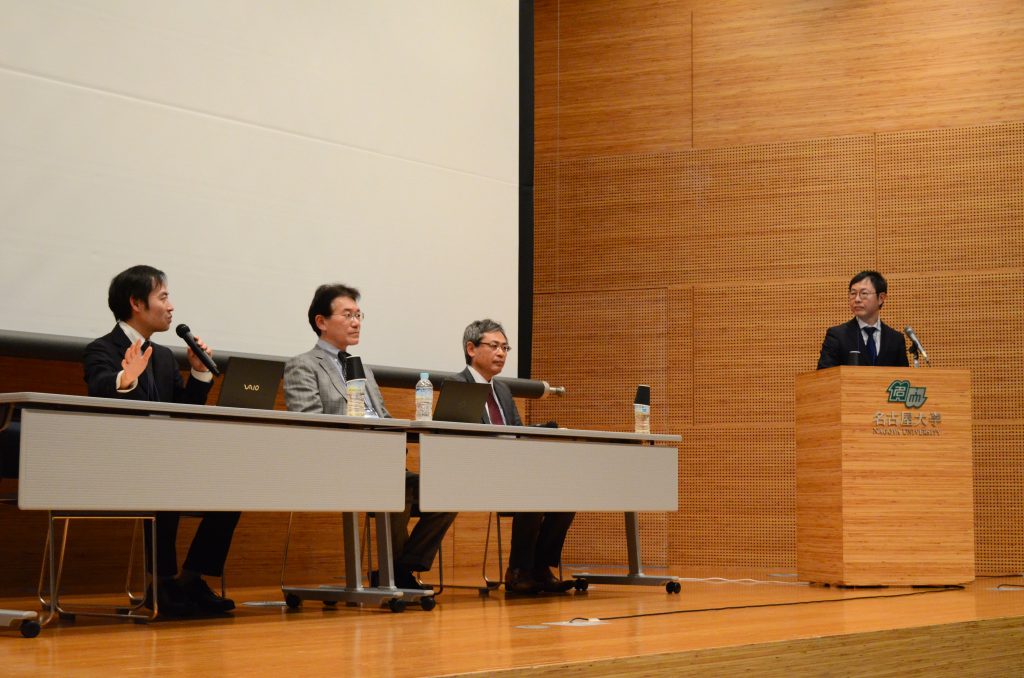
(934, 589)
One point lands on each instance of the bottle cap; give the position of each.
(643, 395)
(424, 375)
(354, 368)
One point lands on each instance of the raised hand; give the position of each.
(134, 364)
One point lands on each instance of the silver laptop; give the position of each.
(462, 402)
(251, 382)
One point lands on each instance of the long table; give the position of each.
(82, 454)
(478, 467)
(75, 451)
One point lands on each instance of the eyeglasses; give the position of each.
(854, 294)
(494, 346)
(349, 316)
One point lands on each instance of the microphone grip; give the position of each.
(186, 334)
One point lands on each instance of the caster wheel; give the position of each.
(428, 603)
(396, 605)
(292, 601)
(330, 603)
(673, 587)
(29, 628)
(581, 585)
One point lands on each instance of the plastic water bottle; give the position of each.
(356, 405)
(424, 397)
(641, 418)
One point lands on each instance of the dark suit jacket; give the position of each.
(161, 381)
(502, 393)
(842, 339)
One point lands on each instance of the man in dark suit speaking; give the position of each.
(537, 538)
(125, 364)
(877, 343)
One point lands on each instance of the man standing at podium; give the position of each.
(314, 381)
(537, 538)
(874, 341)
(125, 364)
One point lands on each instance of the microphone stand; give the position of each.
(913, 352)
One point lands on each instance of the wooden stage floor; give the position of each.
(712, 628)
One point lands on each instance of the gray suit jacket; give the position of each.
(502, 393)
(312, 384)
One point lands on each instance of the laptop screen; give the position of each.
(251, 382)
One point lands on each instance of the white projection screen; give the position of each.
(255, 149)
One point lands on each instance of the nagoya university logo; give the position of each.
(900, 391)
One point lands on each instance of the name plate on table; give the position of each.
(479, 473)
(105, 462)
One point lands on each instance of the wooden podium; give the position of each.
(884, 476)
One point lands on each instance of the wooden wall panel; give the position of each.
(951, 199)
(616, 215)
(788, 210)
(545, 228)
(972, 321)
(644, 220)
(750, 342)
(679, 359)
(623, 77)
(737, 499)
(600, 346)
(767, 72)
(613, 340)
(545, 80)
(998, 505)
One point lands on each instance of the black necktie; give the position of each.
(870, 344)
(149, 384)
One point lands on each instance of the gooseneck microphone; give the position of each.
(917, 347)
(185, 333)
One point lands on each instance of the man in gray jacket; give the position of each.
(315, 382)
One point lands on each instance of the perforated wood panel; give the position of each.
(998, 500)
(613, 341)
(600, 539)
(750, 342)
(952, 199)
(973, 321)
(600, 346)
(545, 228)
(737, 502)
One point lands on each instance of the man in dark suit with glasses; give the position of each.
(875, 342)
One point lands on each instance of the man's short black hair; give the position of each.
(324, 297)
(137, 282)
(877, 280)
(475, 332)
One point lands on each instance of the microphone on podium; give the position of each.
(185, 333)
(916, 347)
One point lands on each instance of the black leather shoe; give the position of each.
(549, 582)
(173, 602)
(405, 579)
(520, 581)
(202, 596)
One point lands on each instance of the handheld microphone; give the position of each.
(918, 348)
(185, 333)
